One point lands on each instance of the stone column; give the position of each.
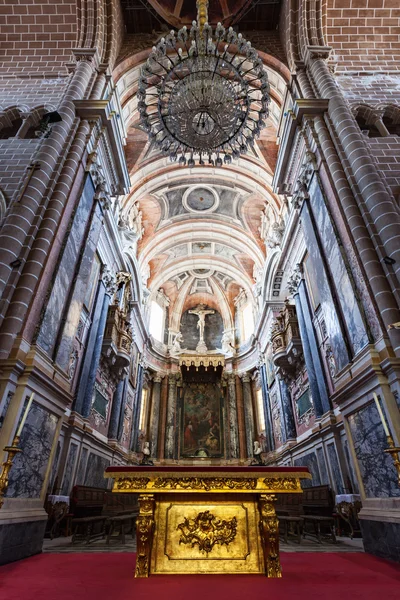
(171, 416)
(288, 421)
(248, 413)
(240, 417)
(233, 418)
(116, 410)
(155, 414)
(87, 398)
(136, 409)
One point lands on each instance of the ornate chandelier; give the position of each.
(202, 96)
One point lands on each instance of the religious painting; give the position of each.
(202, 433)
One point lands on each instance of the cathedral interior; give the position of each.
(224, 309)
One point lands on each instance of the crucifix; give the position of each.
(201, 312)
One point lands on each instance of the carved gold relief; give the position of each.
(206, 530)
(144, 534)
(135, 483)
(206, 483)
(282, 483)
(269, 529)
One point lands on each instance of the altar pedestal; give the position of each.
(207, 519)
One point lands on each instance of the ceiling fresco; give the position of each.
(200, 233)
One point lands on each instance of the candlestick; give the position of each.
(395, 452)
(378, 406)
(25, 415)
(11, 452)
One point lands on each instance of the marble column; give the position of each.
(315, 357)
(87, 398)
(248, 413)
(267, 409)
(232, 418)
(136, 410)
(308, 358)
(122, 411)
(155, 414)
(171, 431)
(288, 423)
(116, 410)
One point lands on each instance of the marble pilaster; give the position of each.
(288, 423)
(171, 416)
(116, 410)
(267, 410)
(155, 414)
(233, 419)
(248, 413)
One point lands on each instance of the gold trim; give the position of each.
(206, 530)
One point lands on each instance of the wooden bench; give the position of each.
(318, 507)
(88, 528)
(87, 501)
(121, 522)
(289, 512)
(116, 504)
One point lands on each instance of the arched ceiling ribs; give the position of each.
(192, 232)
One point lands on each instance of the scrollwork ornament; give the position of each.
(206, 531)
(127, 483)
(284, 483)
(205, 483)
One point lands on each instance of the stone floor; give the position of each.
(63, 544)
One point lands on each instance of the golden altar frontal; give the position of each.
(207, 519)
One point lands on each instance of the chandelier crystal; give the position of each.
(203, 95)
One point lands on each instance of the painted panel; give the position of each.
(202, 426)
(29, 468)
(316, 273)
(344, 289)
(376, 467)
(62, 283)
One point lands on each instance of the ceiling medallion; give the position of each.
(203, 96)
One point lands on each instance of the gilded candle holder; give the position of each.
(12, 451)
(395, 452)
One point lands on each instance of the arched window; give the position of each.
(156, 323)
(247, 321)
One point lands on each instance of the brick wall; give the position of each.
(371, 89)
(365, 34)
(386, 152)
(38, 35)
(15, 156)
(31, 92)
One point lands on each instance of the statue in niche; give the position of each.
(176, 349)
(227, 343)
(146, 460)
(257, 450)
(135, 220)
(330, 359)
(275, 235)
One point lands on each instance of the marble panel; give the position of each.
(201, 248)
(340, 277)
(335, 468)
(376, 466)
(310, 461)
(58, 297)
(69, 470)
(20, 540)
(80, 474)
(322, 467)
(353, 476)
(225, 251)
(54, 466)
(316, 271)
(227, 202)
(30, 466)
(200, 199)
(96, 465)
(381, 538)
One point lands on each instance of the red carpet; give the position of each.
(347, 576)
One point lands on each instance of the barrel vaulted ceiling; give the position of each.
(198, 230)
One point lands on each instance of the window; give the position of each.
(248, 321)
(143, 407)
(260, 410)
(156, 325)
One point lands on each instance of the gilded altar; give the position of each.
(207, 519)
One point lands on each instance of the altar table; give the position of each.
(207, 519)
